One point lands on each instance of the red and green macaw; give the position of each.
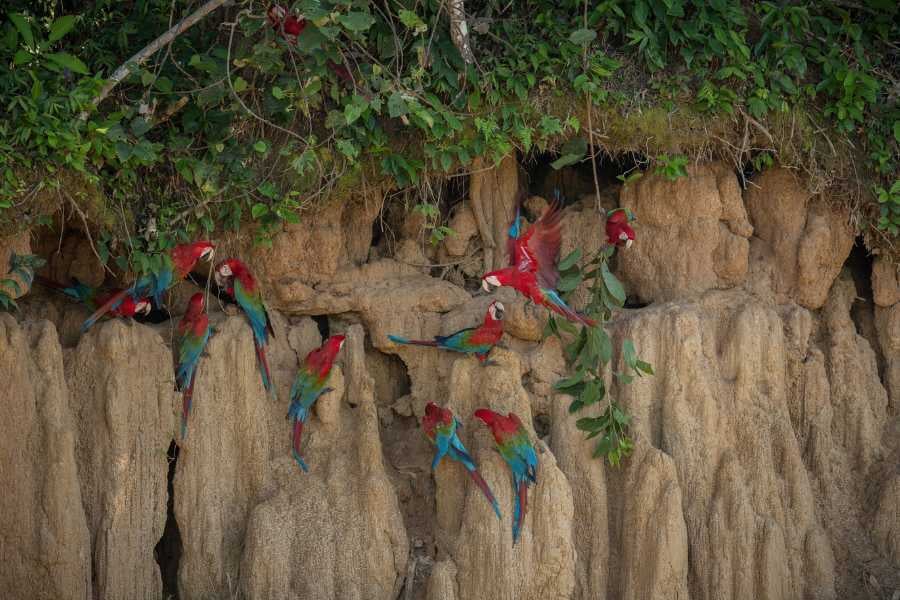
(618, 231)
(191, 337)
(472, 340)
(234, 277)
(533, 259)
(516, 448)
(440, 425)
(308, 386)
(172, 267)
(92, 297)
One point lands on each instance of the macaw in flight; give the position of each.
(533, 257)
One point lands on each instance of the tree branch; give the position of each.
(153, 47)
(459, 31)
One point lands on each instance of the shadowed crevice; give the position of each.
(169, 548)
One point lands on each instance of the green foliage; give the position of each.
(233, 123)
(589, 350)
(22, 266)
(672, 167)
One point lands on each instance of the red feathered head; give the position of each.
(228, 269)
(497, 278)
(618, 231)
(334, 344)
(196, 304)
(434, 415)
(185, 256)
(291, 26)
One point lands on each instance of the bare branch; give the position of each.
(459, 31)
(153, 47)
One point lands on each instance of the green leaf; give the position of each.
(67, 61)
(587, 423)
(259, 209)
(21, 57)
(140, 126)
(620, 416)
(23, 27)
(594, 391)
(628, 353)
(569, 282)
(605, 445)
(570, 260)
(575, 406)
(897, 131)
(61, 27)
(583, 37)
(397, 105)
(569, 382)
(240, 84)
(572, 152)
(123, 151)
(644, 366)
(355, 109)
(599, 340)
(164, 85)
(412, 21)
(356, 21)
(613, 285)
(261, 146)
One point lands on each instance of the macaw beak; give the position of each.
(208, 253)
(629, 242)
(488, 281)
(144, 308)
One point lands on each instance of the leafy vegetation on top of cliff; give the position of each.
(235, 120)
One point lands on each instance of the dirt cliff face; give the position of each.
(767, 461)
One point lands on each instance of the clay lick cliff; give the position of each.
(765, 465)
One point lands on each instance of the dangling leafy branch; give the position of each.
(590, 349)
(24, 267)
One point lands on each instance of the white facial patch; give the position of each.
(225, 271)
(497, 311)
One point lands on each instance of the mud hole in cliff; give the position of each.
(862, 311)
(169, 548)
(577, 180)
(407, 454)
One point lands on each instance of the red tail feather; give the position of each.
(264, 366)
(186, 399)
(523, 502)
(571, 314)
(483, 486)
(298, 433)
